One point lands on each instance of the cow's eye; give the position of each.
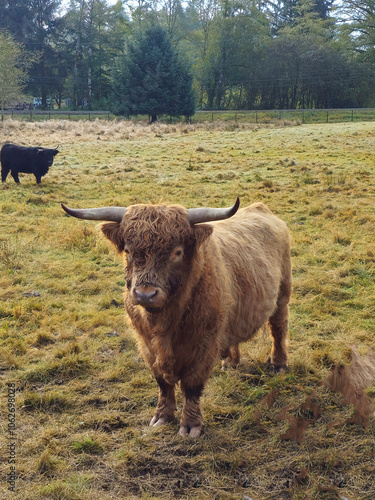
(177, 254)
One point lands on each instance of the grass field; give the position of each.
(84, 396)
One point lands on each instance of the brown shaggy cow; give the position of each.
(195, 290)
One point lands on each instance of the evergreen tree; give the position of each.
(152, 79)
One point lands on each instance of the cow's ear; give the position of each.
(201, 233)
(111, 230)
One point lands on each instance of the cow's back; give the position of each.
(19, 158)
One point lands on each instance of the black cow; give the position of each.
(18, 159)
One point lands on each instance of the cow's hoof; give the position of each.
(279, 369)
(192, 432)
(157, 421)
(228, 363)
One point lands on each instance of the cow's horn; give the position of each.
(197, 215)
(114, 214)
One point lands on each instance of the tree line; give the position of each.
(176, 55)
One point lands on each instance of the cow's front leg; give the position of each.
(192, 420)
(166, 406)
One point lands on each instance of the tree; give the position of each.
(93, 35)
(33, 23)
(287, 12)
(308, 68)
(230, 42)
(242, 54)
(152, 78)
(361, 26)
(14, 63)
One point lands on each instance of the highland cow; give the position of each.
(198, 283)
(17, 159)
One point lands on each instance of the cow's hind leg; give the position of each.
(279, 329)
(166, 406)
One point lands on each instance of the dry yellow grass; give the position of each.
(84, 396)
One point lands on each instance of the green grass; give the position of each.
(84, 395)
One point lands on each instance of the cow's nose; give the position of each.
(145, 296)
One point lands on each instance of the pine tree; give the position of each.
(152, 79)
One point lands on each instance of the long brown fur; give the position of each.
(232, 278)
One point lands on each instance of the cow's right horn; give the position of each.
(197, 215)
(114, 214)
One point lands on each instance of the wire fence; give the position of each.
(39, 115)
(240, 116)
(297, 115)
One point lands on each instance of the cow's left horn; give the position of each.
(114, 214)
(197, 215)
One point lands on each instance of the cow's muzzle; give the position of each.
(148, 296)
